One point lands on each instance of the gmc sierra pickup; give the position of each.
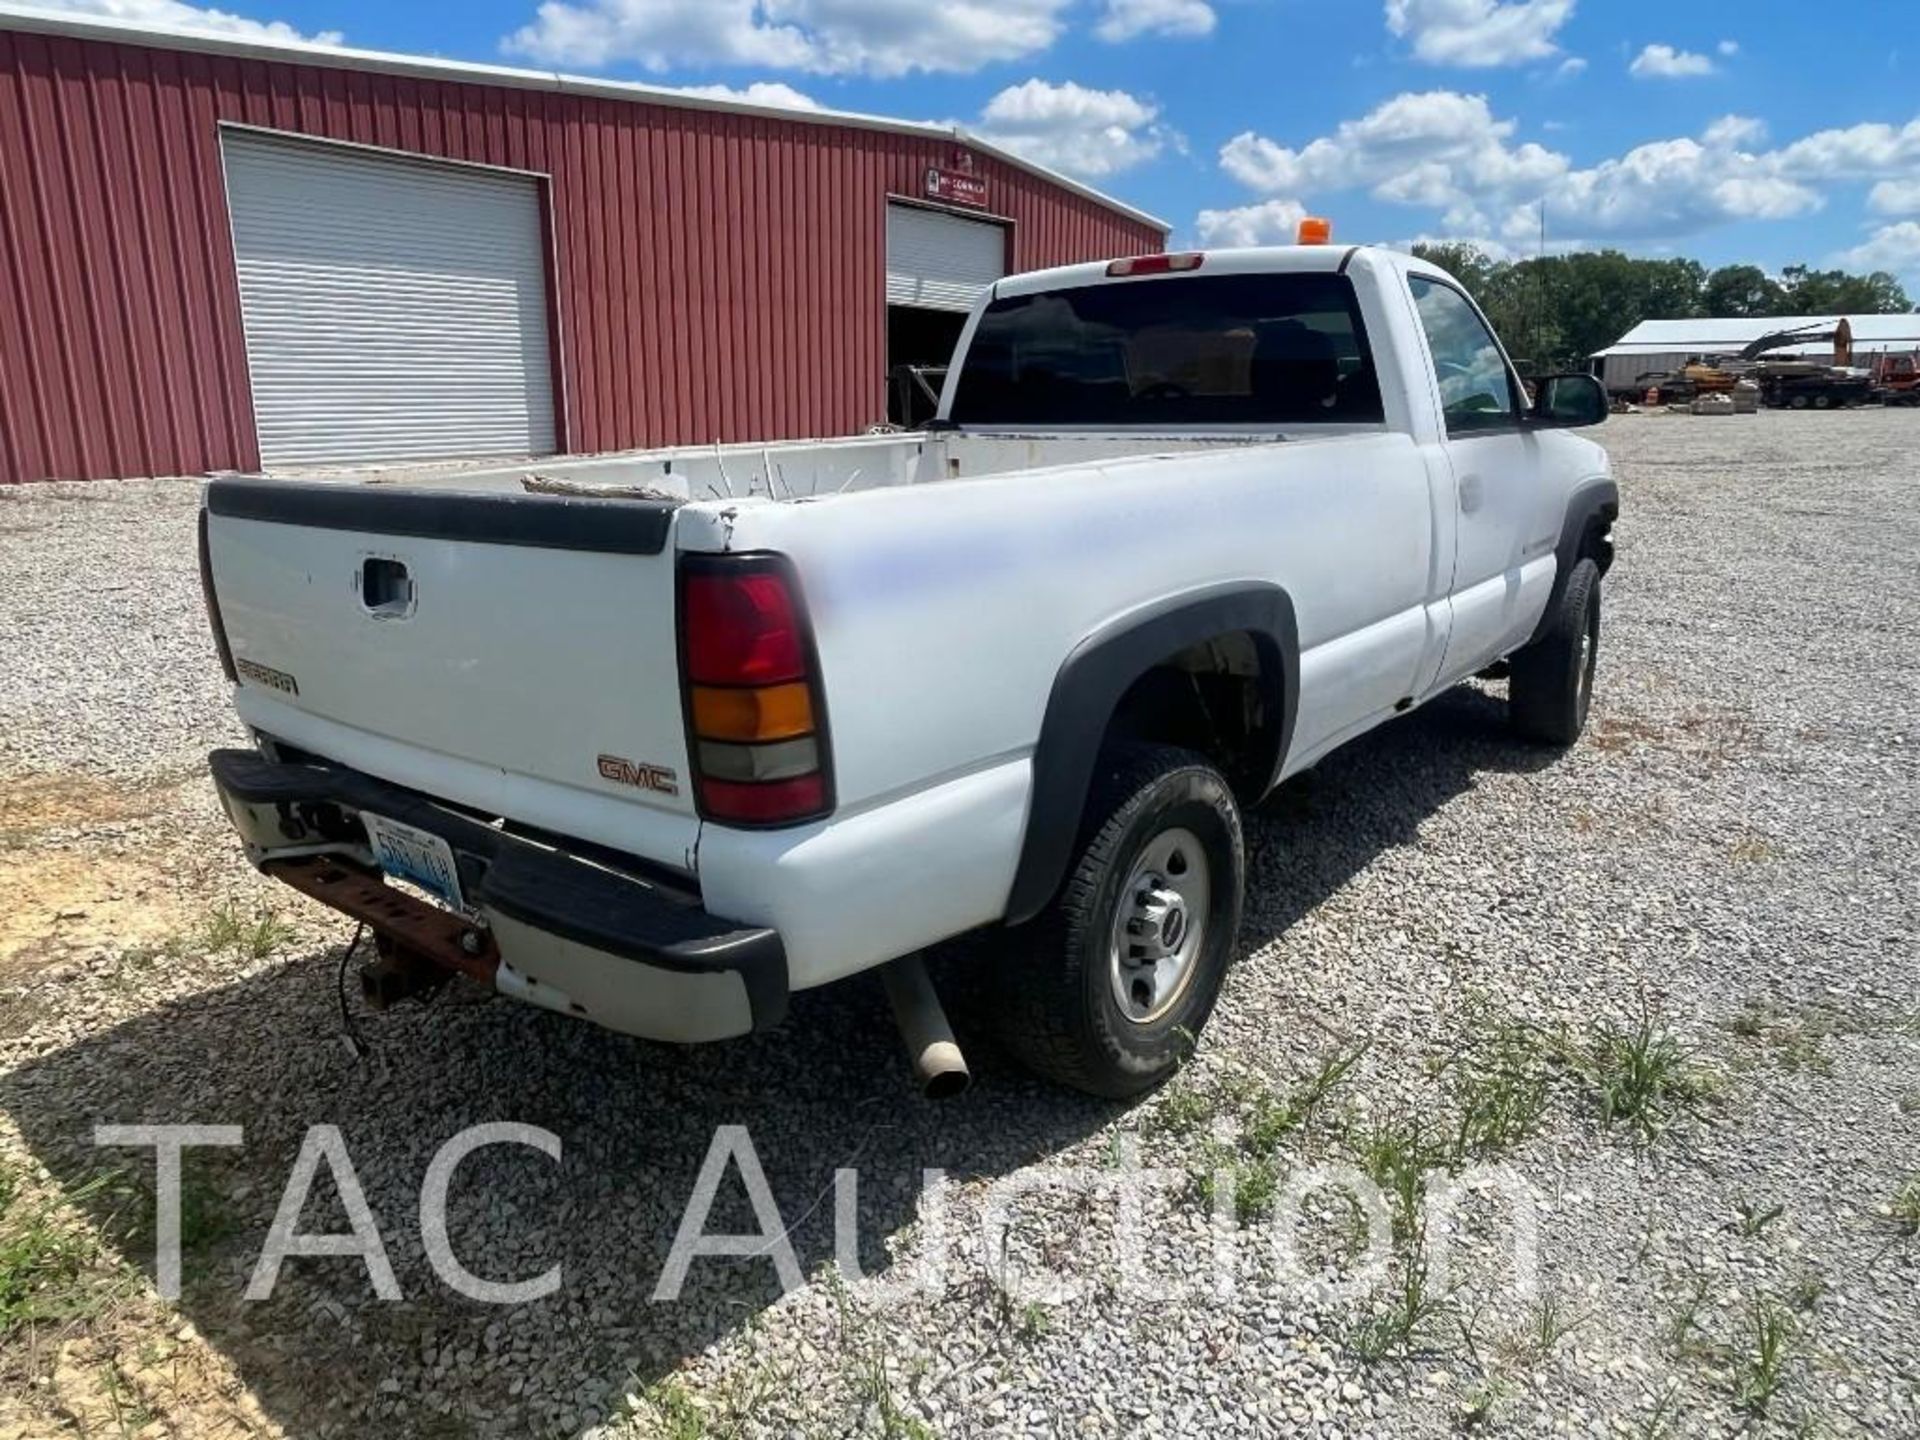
(656, 739)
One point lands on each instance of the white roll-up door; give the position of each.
(393, 307)
(939, 261)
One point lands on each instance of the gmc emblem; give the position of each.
(656, 778)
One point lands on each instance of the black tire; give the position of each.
(1060, 1010)
(1551, 689)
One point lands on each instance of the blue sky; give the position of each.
(1773, 131)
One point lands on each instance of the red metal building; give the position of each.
(206, 241)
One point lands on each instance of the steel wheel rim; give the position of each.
(1589, 657)
(1160, 925)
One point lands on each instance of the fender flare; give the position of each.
(1089, 686)
(1591, 500)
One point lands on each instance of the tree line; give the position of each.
(1559, 309)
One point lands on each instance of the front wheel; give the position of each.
(1108, 989)
(1551, 689)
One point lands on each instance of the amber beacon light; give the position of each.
(1316, 230)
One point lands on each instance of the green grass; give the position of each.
(53, 1269)
(1808, 1289)
(1762, 1364)
(1685, 1334)
(1034, 1322)
(1644, 1078)
(1269, 1117)
(1752, 1220)
(1551, 1324)
(1797, 1040)
(1253, 1179)
(1400, 1323)
(1396, 1152)
(256, 934)
(670, 1411)
(1501, 1090)
(1184, 1110)
(875, 1386)
(1906, 1207)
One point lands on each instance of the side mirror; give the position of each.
(1568, 402)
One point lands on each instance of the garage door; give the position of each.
(940, 261)
(393, 308)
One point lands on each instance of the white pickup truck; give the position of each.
(669, 735)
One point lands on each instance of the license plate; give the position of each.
(415, 855)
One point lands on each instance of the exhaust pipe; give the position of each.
(937, 1061)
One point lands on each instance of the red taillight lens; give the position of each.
(741, 629)
(212, 602)
(777, 803)
(1157, 264)
(755, 720)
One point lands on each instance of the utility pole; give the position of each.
(1540, 288)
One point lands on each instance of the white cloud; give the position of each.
(1895, 197)
(1663, 62)
(1479, 34)
(1728, 47)
(1437, 148)
(829, 37)
(1450, 153)
(1271, 222)
(1735, 132)
(1570, 67)
(1858, 152)
(1669, 188)
(760, 92)
(1127, 19)
(173, 15)
(1895, 248)
(1070, 127)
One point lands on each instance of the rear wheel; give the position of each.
(1551, 689)
(1108, 989)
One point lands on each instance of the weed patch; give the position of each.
(1644, 1078)
(53, 1270)
(255, 935)
(1762, 1365)
(1905, 1209)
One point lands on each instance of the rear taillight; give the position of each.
(756, 726)
(212, 603)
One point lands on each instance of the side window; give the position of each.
(1476, 387)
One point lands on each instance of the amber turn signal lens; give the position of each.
(763, 712)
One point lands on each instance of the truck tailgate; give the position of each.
(514, 653)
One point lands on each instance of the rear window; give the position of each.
(1185, 350)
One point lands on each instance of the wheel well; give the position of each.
(1217, 697)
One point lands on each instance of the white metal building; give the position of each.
(1669, 344)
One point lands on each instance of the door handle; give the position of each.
(1472, 492)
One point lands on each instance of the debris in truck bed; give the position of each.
(535, 484)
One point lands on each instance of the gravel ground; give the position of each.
(1727, 859)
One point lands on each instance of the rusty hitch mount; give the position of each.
(418, 946)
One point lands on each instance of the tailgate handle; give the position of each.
(386, 587)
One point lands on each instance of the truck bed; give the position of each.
(811, 469)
